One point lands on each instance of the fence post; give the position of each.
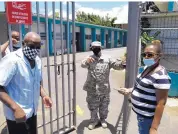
(132, 55)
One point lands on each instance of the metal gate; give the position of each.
(59, 71)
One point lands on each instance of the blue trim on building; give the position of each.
(82, 33)
(121, 38)
(50, 38)
(42, 19)
(93, 34)
(102, 34)
(110, 38)
(82, 38)
(115, 39)
(170, 6)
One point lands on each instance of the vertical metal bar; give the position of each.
(62, 63)
(38, 31)
(68, 62)
(0, 52)
(38, 17)
(10, 37)
(55, 66)
(20, 32)
(74, 63)
(132, 46)
(48, 62)
(29, 28)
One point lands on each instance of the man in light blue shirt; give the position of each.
(20, 86)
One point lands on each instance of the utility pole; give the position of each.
(132, 55)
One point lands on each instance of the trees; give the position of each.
(95, 19)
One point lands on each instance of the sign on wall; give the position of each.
(19, 12)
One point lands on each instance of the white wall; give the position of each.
(98, 31)
(88, 41)
(175, 6)
(58, 38)
(77, 29)
(112, 39)
(106, 32)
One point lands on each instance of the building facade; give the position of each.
(85, 34)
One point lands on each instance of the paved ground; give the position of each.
(168, 124)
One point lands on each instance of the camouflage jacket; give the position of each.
(98, 74)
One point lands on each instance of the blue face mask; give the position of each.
(148, 62)
(16, 46)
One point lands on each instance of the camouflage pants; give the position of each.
(98, 103)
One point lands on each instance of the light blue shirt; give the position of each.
(21, 84)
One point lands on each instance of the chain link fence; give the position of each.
(165, 28)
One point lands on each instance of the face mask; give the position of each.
(96, 51)
(149, 62)
(30, 53)
(16, 46)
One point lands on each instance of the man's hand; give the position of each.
(125, 91)
(19, 115)
(14, 41)
(90, 60)
(153, 131)
(47, 101)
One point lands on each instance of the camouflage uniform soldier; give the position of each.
(97, 83)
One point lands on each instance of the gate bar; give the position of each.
(74, 63)
(38, 31)
(48, 62)
(62, 63)
(132, 53)
(46, 123)
(68, 62)
(20, 32)
(55, 66)
(10, 37)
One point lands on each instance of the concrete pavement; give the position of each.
(168, 124)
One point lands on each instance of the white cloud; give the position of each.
(120, 12)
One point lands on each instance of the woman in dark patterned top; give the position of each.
(150, 92)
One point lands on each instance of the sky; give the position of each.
(113, 9)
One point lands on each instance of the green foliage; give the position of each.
(95, 19)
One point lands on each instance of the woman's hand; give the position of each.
(125, 91)
(153, 131)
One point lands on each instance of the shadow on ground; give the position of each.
(119, 123)
(4, 130)
(84, 124)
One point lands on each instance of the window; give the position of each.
(98, 37)
(88, 37)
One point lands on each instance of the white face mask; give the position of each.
(149, 62)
